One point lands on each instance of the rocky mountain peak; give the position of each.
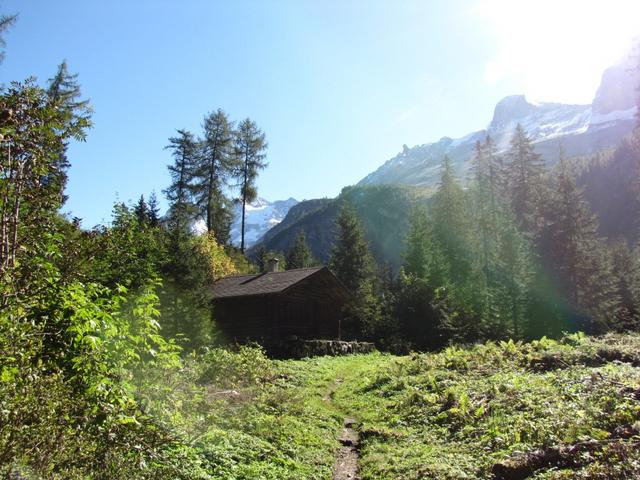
(614, 91)
(510, 109)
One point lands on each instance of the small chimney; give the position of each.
(273, 265)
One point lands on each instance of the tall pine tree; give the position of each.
(154, 210)
(524, 173)
(184, 150)
(214, 167)
(250, 148)
(352, 263)
(577, 256)
(141, 211)
(449, 213)
(64, 92)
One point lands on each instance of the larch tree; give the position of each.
(250, 152)
(214, 167)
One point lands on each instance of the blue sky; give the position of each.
(337, 86)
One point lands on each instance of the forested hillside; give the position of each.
(383, 210)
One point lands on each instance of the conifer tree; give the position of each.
(524, 172)
(141, 211)
(352, 263)
(64, 92)
(184, 150)
(214, 166)
(449, 223)
(484, 204)
(6, 21)
(350, 259)
(511, 278)
(260, 257)
(418, 282)
(153, 210)
(250, 147)
(625, 286)
(299, 255)
(496, 175)
(417, 244)
(575, 254)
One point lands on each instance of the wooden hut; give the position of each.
(270, 307)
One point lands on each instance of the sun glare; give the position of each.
(557, 50)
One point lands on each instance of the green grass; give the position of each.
(448, 415)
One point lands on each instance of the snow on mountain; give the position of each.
(261, 216)
(583, 129)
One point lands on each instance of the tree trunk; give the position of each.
(244, 206)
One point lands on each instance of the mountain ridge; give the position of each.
(583, 130)
(261, 215)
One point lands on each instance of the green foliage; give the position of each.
(456, 413)
(34, 131)
(182, 210)
(65, 384)
(188, 273)
(576, 256)
(247, 416)
(468, 269)
(129, 252)
(351, 262)
(213, 167)
(524, 171)
(227, 369)
(299, 255)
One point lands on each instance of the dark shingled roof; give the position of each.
(261, 283)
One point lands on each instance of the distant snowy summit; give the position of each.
(582, 129)
(261, 216)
